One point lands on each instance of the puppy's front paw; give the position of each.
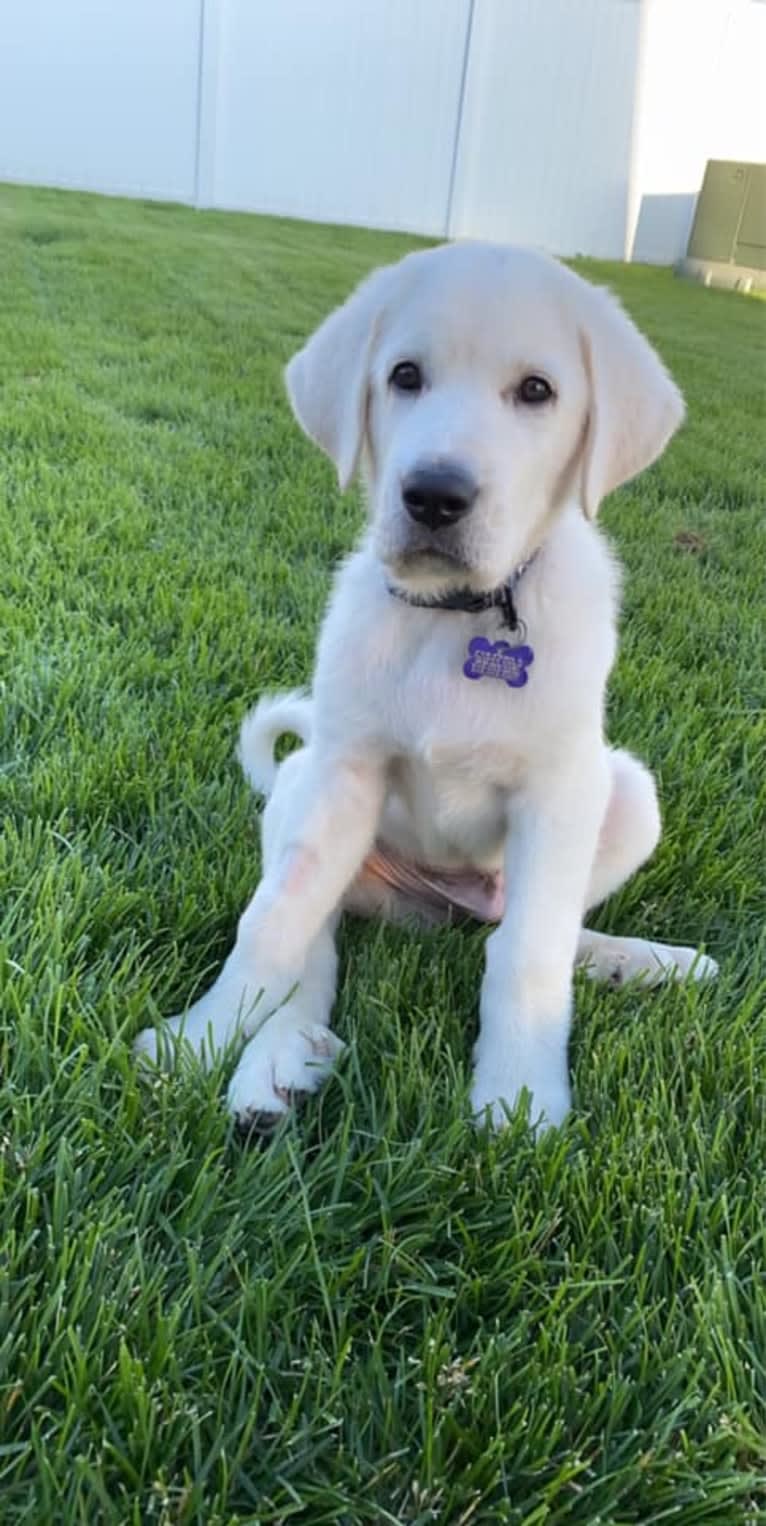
(158, 1045)
(234, 1006)
(284, 1061)
(497, 1088)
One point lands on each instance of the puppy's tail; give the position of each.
(272, 717)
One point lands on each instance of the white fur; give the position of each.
(400, 746)
(261, 730)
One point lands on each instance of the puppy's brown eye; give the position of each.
(534, 389)
(406, 377)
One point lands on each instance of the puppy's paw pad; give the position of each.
(257, 1125)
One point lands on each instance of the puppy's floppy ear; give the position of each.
(635, 405)
(327, 381)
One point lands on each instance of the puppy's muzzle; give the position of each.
(438, 496)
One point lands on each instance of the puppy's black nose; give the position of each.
(437, 496)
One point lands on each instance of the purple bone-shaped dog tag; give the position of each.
(497, 659)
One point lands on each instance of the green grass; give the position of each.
(383, 1316)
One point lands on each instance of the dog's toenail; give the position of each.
(257, 1127)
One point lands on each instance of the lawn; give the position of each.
(383, 1316)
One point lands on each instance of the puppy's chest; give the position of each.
(452, 808)
(460, 697)
(458, 752)
(456, 694)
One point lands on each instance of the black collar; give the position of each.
(470, 603)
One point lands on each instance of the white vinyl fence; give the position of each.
(575, 125)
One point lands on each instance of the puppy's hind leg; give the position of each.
(612, 961)
(630, 833)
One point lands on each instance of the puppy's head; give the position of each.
(482, 388)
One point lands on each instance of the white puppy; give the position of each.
(455, 752)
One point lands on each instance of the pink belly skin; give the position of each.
(473, 892)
